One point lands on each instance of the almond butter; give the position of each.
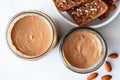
(92, 76)
(108, 66)
(106, 77)
(113, 56)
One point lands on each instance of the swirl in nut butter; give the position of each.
(82, 49)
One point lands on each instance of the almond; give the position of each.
(115, 0)
(113, 56)
(108, 66)
(92, 76)
(112, 7)
(106, 77)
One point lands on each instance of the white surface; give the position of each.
(49, 67)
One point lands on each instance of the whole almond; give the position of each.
(106, 77)
(112, 7)
(113, 56)
(115, 0)
(108, 66)
(92, 76)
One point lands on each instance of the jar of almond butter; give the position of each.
(83, 50)
(31, 34)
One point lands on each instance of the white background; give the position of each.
(51, 66)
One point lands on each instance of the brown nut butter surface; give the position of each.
(31, 35)
(82, 49)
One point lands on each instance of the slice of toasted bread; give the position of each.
(63, 5)
(85, 13)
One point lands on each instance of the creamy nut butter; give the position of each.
(32, 35)
(83, 49)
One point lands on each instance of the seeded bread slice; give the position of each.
(63, 5)
(85, 13)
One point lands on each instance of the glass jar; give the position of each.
(51, 25)
(66, 59)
